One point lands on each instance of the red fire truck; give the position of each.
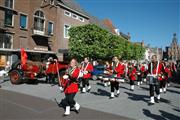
(34, 68)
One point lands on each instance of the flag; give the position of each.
(23, 56)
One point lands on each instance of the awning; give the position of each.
(11, 51)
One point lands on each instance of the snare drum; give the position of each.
(153, 80)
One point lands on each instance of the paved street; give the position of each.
(24, 107)
(38, 101)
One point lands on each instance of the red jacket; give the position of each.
(132, 74)
(159, 71)
(54, 67)
(119, 69)
(143, 69)
(88, 67)
(168, 72)
(71, 86)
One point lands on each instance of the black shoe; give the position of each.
(131, 90)
(111, 97)
(158, 101)
(150, 104)
(88, 90)
(117, 95)
(77, 111)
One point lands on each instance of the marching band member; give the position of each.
(51, 71)
(132, 75)
(86, 68)
(155, 71)
(107, 74)
(139, 74)
(162, 82)
(173, 69)
(146, 71)
(168, 75)
(143, 72)
(71, 86)
(116, 71)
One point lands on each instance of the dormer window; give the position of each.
(67, 13)
(81, 19)
(74, 16)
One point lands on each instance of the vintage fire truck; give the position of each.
(34, 68)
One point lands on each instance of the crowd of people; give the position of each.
(157, 74)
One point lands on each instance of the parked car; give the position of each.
(98, 72)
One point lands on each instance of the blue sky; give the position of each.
(153, 21)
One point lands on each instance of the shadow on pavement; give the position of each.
(100, 84)
(169, 115)
(137, 97)
(145, 88)
(153, 116)
(123, 87)
(101, 93)
(178, 110)
(176, 86)
(173, 91)
(165, 100)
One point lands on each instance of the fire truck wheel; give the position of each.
(15, 77)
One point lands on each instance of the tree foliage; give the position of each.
(97, 43)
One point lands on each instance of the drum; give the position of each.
(153, 80)
(119, 79)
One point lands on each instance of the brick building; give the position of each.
(39, 26)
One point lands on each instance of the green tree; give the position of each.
(95, 42)
(88, 40)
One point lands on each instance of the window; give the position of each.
(50, 28)
(5, 41)
(67, 13)
(39, 20)
(51, 2)
(23, 21)
(9, 3)
(74, 16)
(81, 19)
(66, 31)
(8, 18)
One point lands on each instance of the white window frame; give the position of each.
(26, 20)
(12, 5)
(67, 12)
(12, 23)
(39, 31)
(3, 45)
(81, 18)
(74, 17)
(52, 32)
(65, 30)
